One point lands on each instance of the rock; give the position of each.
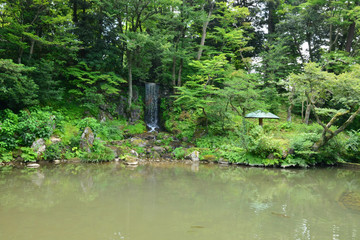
(55, 139)
(138, 142)
(158, 149)
(271, 156)
(155, 155)
(57, 161)
(117, 159)
(87, 139)
(150, 137)
(131, 160)
(284, 154)
(134, 153)
(168, 149)
(194, 156)
(33, 165)
(209, 158)
(291, 151)
(131, 163)
(39, 146)
(185, 139)
(223, 162)
(135, 115)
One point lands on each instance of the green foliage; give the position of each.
(17, 90)
(90, 122)
(70, 134)
(28, 154)
(93, 87)
(54, 151)
(262, 145)
(137, 128)
(234, 155)
(45, 76)
(5, 157)
(24, 128)
(179, 153)
(352, 146)
(99, 153)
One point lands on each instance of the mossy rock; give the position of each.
(209, 158)
(138, 142)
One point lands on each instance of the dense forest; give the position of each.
(66, 65)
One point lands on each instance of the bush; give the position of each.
(24, 128)
(54, 151)
(302, 145)
(179, 153)
(89, 122)
(262, 145)
(28, 154)
(352, 146)
(136, 128)
(5, 157)
(100, 153)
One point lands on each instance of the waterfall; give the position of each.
(151, 106)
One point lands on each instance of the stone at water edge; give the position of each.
(87, 139)
(57, 161)
(39, 146)
(134, 153)
(194, 156)
(131, 160)
(33, 165)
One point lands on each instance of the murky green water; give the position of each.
(149, 202)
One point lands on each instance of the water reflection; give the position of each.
(168, 201)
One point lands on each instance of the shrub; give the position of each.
(262, 145)
(302, 145)
(5, 157)
(179, 153)
(100, 153)
(136, 128)
(54, 151)
(352, 146)
(89, 122)
(28, 154)
(24, 128)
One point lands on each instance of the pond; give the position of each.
(178, 201)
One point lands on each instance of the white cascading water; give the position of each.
(151, 106)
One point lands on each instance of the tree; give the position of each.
(341, 93)
(17, 90)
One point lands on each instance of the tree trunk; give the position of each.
(180, 71)
(270, 20)
(174, 72)
(302, 111)
(31, 48)
(308, 39)
(130, 94)
(307, 113)
(203, 36)
(350, 37)
(75, 7)
(328, 134)
(291, 106)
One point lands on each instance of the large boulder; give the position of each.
(39, 146)
(87, 139)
